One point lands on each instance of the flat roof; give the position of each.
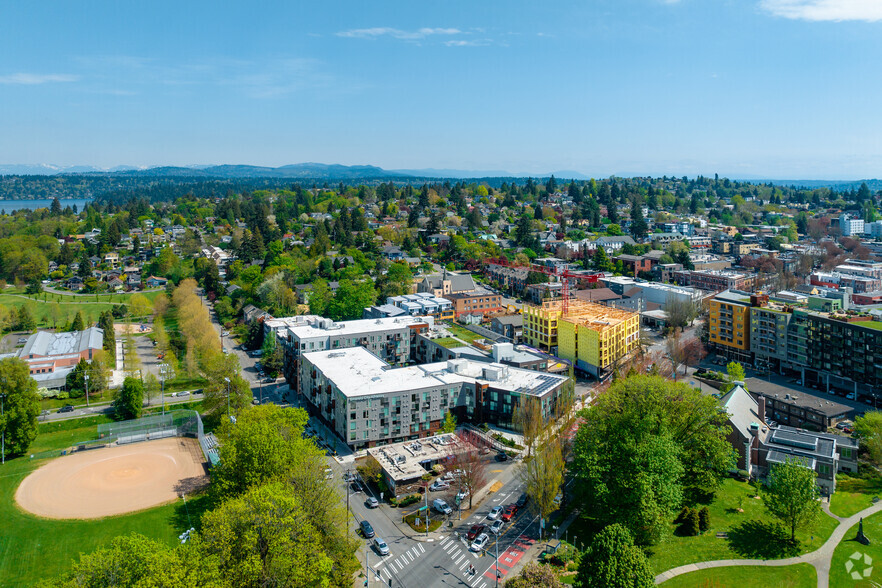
(404, 461)
(327, 327)
(358, 372)
(797, 397)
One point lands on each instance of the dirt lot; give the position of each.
(116, 480)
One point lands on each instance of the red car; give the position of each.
(510, 511)
(474, 532)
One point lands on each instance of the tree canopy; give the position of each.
(21, 405)
(613, 561)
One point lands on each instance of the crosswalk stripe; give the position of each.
(420, 545)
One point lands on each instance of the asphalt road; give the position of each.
(442, 558)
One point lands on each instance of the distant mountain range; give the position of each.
(335, 172)
(294, 171)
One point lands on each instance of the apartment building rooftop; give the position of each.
(322, 327)
(357, 372)
(404, 461)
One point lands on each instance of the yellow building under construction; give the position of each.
(592, 336)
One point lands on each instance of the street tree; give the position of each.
(792, 495)
(529, 420)
(868, 429)
(542, 475)
(449, 424)
(473, 468)
(226, 391)
(680, 312)
(682, 351)
(21, 405)
(129, 401)
(613, 561)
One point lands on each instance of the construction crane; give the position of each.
(564, 275)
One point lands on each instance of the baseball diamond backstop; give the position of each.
(176, 423)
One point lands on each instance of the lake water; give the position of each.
(13, 205)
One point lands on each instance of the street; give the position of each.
(442, 557)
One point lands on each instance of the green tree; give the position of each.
(76, 382)
(639, 227)
(78, 322)
(320, 297)
(613, 561)
(600, 261)
(736, 373)
(351, 298)
(868, 429)
(24, 319)
(21, 405)
(105, 323)
(449, 424)
(792, 496)
(135, 561)
(643, 443)
(129, 401)
(542, 475)
(273, 356)
(266, 538)
(226, 389)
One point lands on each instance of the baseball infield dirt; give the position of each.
(116, 480)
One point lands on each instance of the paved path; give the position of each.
(820, 558)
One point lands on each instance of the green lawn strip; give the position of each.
(34, 548)
(854, 494)
(462, 333)
(752, 534)
(795, 576)
(840, 574)
(448, 342)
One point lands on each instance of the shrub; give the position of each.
(684, 514)
(692, 524)
(409, 499)
(743, 475)
(704, 519)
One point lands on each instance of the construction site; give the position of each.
(592, 336)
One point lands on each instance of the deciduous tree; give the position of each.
(613, 561)
(21, 405)
(542, 475)
(792, 496)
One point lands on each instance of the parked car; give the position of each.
(496, 527)
(522, 500)
(269, 380)
(494, 513)
(510, 511)
(372, 502)
(381, 546)
(257, 353)
(329, 473)
(502, 456)
(66, 408)
(479, 543)
(182, 393)
(462, 495)
(475, 531)
(367, 529)
(347, 476)
(438, 485)
(441, 506)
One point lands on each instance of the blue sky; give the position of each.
(744, 88)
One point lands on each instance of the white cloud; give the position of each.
(31, 79)
(825, 10)
(461, 43)
(375, 32)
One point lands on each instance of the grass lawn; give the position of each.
(795, 576)
(751, 534)
(462, 332)
(448, 342)
(854, 494)
(840, 576)
(33, 548)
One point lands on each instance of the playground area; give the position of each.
(114, 480)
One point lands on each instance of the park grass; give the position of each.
(795, 576)
(34, 548)
(839, 574)
(854, 494)
(752, 534)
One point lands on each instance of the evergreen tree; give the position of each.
(78, 323)
(639, 227)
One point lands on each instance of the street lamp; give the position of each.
(164, 372)
(227, 380)
(86, 379)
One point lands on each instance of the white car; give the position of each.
(438, 485)
(462, 495)
(496, 527)
(479, 543)
(441, 506)
(495, 513)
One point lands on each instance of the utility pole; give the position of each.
(86, 379)
(496, 567)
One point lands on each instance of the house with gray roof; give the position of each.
(446, 282)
